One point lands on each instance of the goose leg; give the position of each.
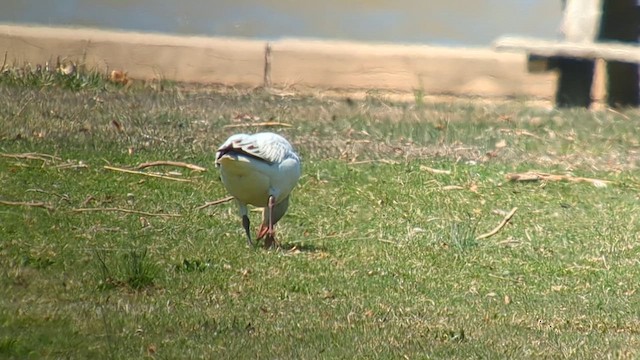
(267, 230)
(245, 222)
(271, 235)
(272, 203)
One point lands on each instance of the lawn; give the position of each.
(381, 251)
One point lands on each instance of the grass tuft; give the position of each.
(39, 77)
(462, 235)
(139, 272)
(37, 262)
(193, 265)
(106, 280)
(11, 348)
(134, 270)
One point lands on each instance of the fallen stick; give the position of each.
(144, 173)
(537, 176)
(618, 113)
(434, 171)
(125, 211)
(72, 166)
(505, 278)
(382, 161)
(213, 203)
(520, 132)
(267, 123)
(62, 197)
(31, 204)
(170, 163)
(32, 156)
(24, 106)
(499, 227)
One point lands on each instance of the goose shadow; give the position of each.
(302, 247)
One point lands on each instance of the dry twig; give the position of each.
(500, 226)
(618, 113)
(32, 156)
(505, 278)
(538, 176)
(128, 211)
(72, 166)
(31, 204)
(452, 187)
(24, 106)
(265, 124)
(213, 203)
(64, 197)
(170, 163)
(520, 132)
(434, 171)
(382, 161)
(145, 174)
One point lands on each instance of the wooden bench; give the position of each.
(592, 29)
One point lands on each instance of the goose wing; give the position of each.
(268, 147)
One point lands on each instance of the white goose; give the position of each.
(259, 170)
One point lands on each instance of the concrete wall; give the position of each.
(318, 64)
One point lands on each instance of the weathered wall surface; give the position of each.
(317, 64)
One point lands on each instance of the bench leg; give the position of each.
(622, 84)
(620, 22)
(574, 83)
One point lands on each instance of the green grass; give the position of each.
(379, 256)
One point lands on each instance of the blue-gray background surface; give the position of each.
(453, 22)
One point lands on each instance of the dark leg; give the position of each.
(245, 224)
(272, 203)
